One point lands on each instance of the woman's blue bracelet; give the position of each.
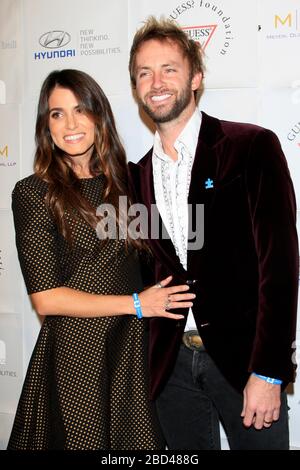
(268, 379)
(137, 306)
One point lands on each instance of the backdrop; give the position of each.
(253, 75)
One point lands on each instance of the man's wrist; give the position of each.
(270, 380)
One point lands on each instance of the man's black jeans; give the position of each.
(197, 396)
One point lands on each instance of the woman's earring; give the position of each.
(52, 144)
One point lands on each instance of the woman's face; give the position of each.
(71, 129)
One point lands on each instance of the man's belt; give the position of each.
(192, 340)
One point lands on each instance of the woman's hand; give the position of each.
(158, 299)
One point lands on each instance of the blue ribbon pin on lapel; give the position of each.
(209, 184)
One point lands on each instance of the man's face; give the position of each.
(164, 85)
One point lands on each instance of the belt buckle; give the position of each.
(192, 340)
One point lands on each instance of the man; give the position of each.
(232, 358)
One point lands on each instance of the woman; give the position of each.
(86, 384)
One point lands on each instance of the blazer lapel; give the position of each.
(204, 177)
(204, 183)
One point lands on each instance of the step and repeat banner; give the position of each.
(253, 75)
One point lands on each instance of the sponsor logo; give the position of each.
(278, 20)
(218, 21)
(4, 157)
(201, 34)
(4, 151)
(286, 25)
(91, 42)
(54, 41)
(2, 353)
(54, 54)
(2, 92)
(291, 20)
(294, 134)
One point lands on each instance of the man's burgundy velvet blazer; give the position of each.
(247, 269)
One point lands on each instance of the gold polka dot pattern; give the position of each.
(86, 386)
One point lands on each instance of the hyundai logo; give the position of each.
(55, 39)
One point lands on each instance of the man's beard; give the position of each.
(180, 104)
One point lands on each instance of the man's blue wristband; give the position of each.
(137, 305)
(268, 379)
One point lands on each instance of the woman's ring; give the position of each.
(158, 284)
(167, 303)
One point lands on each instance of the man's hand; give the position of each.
(261, 403)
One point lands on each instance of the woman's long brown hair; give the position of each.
(108, 156)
